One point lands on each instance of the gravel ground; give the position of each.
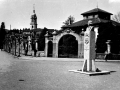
(18, 74)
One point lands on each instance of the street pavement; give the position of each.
(33, 73)
(50, 58)
(61, 59)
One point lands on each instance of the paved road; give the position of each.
(19, 74)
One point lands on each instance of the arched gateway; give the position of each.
(76, 40)
(68, 46)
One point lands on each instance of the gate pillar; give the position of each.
(79, 50)
(55, 45)
(46, 44)
(81, 47)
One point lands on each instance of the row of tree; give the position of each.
(67, 22)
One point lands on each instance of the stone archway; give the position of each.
(50, 49)
(79, 38)
(68, 46)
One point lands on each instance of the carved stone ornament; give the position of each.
(50, 38)
(46, 35)
(90, 22)
(68, 31)
(54, 33)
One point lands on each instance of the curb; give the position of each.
(62, 59)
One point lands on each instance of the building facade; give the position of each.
(68, 42)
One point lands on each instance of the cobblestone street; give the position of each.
(21, 74)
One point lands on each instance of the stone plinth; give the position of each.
(91, 73)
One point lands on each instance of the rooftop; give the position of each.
(96, 10)
(94, 21)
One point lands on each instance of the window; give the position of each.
(89, 17)
(85, 17)
(96, 16)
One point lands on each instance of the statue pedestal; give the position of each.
(89, 67)
(90, 73)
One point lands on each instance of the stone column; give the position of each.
(79, 50)
(55, 49)
(46, 44)
(96, 33)
(89, 49)
(46, 49)
(82, 44)
(36, 45)
(29, 44)
(82, 51)
(36, 48)
(55, 45)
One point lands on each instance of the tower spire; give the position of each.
(10, 26)
(33, 19)
(97, 3)
(33, 8)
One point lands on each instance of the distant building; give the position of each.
(107, 29)
(68, 42)
(35, 33)
(33, 20)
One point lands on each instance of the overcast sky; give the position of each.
(50, 13)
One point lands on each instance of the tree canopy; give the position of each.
(69, 20)
(116, 17)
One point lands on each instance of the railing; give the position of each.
(108, 56)
(115, 56)
(100, 56)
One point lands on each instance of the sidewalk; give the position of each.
(28, 58)
(61, 59)
(50, 58)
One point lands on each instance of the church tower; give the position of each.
(33, 23)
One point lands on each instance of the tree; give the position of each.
(2, 34)
(69, 21)
(41, 40)
(116, 17)
(2, 25)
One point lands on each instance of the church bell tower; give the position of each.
(33, 23)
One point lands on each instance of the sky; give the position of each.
(50, 13)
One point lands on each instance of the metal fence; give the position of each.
(111, 56)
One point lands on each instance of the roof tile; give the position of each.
(95, 11)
